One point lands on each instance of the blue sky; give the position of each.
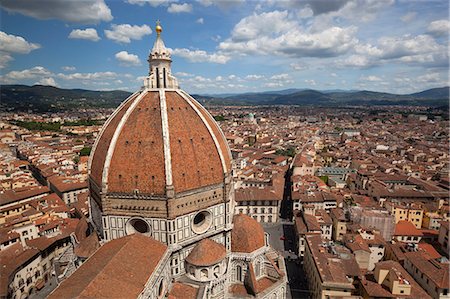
(228, 46)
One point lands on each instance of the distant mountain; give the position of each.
(48, 98)
(431, 97)
(435, 93)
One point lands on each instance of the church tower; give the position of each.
(161, 167)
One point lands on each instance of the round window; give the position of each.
(201, 222)
(137, 225)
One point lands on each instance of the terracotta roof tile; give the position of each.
(102, 143)
(119, 269)
(206, 253)
(247, 234)
(138, 162)
(182, 291)
(406, 228)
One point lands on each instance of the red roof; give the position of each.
(206, 253)
(197, 146)
(247, 234)
(406, 228)
(119, 269)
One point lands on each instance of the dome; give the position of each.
(247, 234)
(206, 253)
(159, 139)
(153, 141)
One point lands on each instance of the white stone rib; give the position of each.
(112, 145)
(216, 142)
(166, 139)
(105, 125)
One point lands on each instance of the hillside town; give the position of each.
(355, 199)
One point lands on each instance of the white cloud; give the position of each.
(16, 44)
(311, 82)
(280, 77)
(127, 59)
(86, 11)
(222, 4)
(299, 66)
(414, 50)
(439, 28)
(33, 73)
(88, 34)
(49, 81)
(200, 21)
(277, 33)
(273, 84)
(5, 58)
(370, 78)
(68, 68)
(124, 33)
(409, 16)
(179, 8)
(358, 61)
(154, 3)
(254, 77)
(183, 74)
(88, 76)
(201, 56)
(429, 78)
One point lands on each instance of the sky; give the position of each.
(231, 46)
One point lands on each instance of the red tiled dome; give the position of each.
(206, 253)
(130, 153)
(247, 234)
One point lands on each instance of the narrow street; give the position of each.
(283, 239)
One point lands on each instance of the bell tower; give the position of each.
(159, 59)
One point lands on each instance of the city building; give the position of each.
(432, 275)
(391, 280)
(329, 273)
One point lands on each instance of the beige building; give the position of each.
(431, 220)
(340, 221)
(432, 276)
(262, 204)
(390, 280)
(405, 231)
(444, 235)
(412, 212)
(328, 275)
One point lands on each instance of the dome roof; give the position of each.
(247, 234)
(159, 138)
(206, 253)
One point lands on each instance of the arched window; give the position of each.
(157, 78)
(161, 288)
(258, 268)
(216, 271)
(238, 273)
(204, 273)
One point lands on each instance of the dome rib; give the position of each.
(101, 157)
(215, 130)
(166, 137)
(112, 145)
(189, 99)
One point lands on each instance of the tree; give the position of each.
(85, 151)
